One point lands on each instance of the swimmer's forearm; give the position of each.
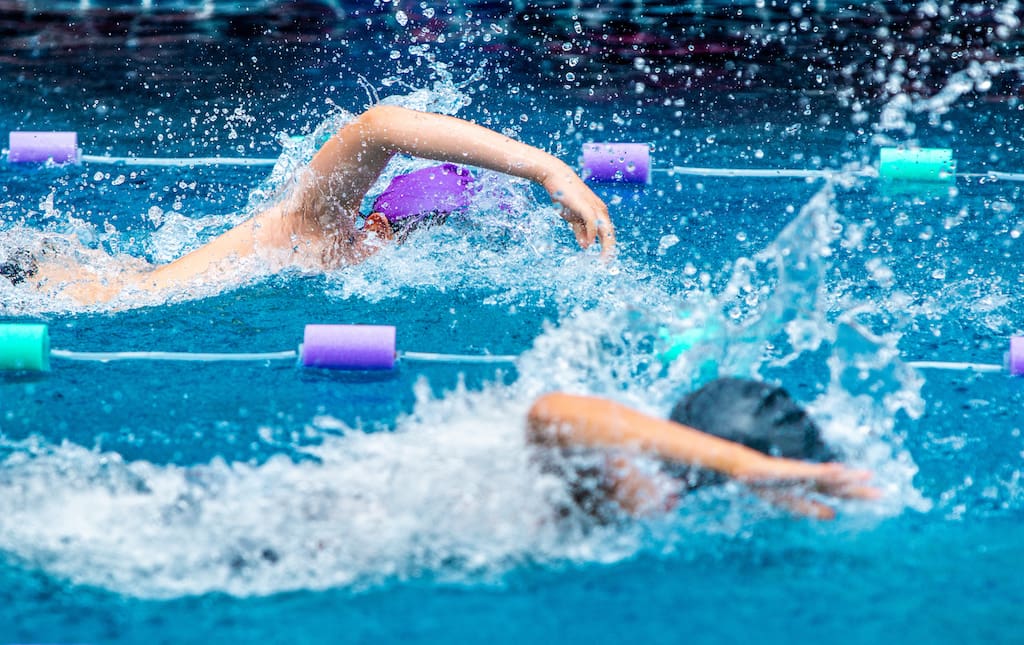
(569, 420)
(348, 164)
(445, 138)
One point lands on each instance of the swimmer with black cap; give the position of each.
(738, 429)
(316, 226)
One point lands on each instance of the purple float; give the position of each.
(617, 162)
(40, 147)
(348, 347)
(1015, 360)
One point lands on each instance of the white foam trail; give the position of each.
(456, 500)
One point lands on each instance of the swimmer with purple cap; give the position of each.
(317, 226)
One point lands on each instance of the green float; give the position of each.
(920, 164)
(676, 344)
(24, 347)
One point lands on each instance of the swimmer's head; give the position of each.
(760, 416)
(420, 198)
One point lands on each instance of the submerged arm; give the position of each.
(348, 164)
(566, 420)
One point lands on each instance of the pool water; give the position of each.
(171, 502)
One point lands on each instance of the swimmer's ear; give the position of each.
(379, 225)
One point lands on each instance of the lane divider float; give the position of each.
(631, 163)
(62, 148)
(26, 347)
(614, 162)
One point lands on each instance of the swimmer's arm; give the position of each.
(349, 163)
(566, 420)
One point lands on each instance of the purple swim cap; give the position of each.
(437, 189)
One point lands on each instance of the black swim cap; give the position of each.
(19, 266)
(760, 416)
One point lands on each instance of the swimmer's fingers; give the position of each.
(855, 492)
(839, 481)
(830, 479)
(585, 212)
(585, 235)
(605, 232)
(590, 227)
(797, 505)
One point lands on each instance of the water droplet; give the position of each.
(401, 18)
(667, 242)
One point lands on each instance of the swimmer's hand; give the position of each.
(781, 481)
(585, 212)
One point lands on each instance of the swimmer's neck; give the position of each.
(315, 244)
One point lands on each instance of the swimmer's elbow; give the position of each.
(377, 120)
(547, 417)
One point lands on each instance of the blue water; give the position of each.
(244, 502)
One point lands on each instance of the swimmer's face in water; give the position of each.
(399, 230)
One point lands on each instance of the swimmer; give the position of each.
(740, 429)
(316, 226)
